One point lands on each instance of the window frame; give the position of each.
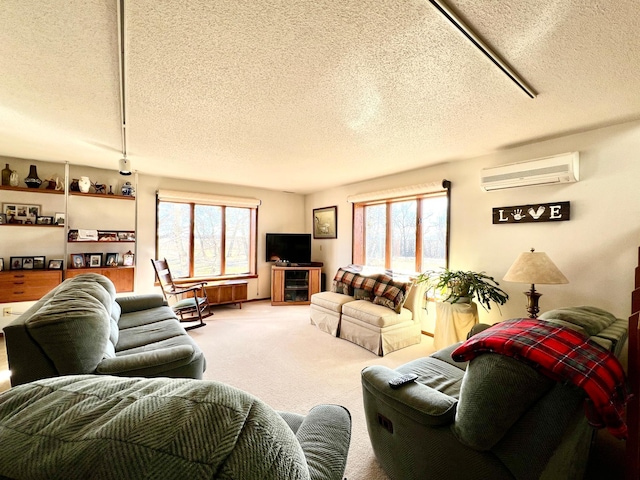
(358, 253)
(253, 241)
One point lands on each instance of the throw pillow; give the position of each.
(362, 294)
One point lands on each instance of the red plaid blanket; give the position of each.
(563, 355)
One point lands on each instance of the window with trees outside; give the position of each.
(206, 241)
(407, 233)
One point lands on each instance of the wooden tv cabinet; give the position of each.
(294, 285)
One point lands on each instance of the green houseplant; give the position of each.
(460, 286)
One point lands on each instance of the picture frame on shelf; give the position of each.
(3, 218)
(39, 262)
(1, 264)
(111, 260)
(44, 220)
(87, 259)
(27, 263)
(77, 260)
(325, 222)
(56, 264)
(58, 219)
(15, 263)
(95, 260)
(107, 236)
(25, 213)
(127, 236)
(127, 259)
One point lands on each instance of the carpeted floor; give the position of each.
(277, 355)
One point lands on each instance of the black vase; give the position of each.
(32, 179)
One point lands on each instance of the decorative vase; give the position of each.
(73, 186)
(32, 179)
(128, 190)
(13, 179)
(84, 184)
(6, 175)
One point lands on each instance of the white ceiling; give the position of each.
(304, 95)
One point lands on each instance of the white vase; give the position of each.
(13, 179)
(84, 184)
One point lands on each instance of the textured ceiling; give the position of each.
(305, 95)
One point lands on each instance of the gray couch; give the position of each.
(91, 426)
(81, 327)
(492, 417)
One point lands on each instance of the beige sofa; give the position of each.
(376, 327)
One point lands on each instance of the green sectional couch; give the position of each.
(80, 327)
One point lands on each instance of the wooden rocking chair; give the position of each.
(188, 301)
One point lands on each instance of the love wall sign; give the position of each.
(541, 212)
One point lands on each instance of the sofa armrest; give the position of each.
(157, 360)
(325, 435)
(421, 403)
(135, 303)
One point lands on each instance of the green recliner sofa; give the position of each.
(104, 427)
(80, 327)
(492, 417)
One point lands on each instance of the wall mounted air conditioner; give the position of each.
(564, 168)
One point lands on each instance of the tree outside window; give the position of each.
(206, 241)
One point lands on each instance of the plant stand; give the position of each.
(453, 322)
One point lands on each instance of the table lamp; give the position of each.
(534, 267)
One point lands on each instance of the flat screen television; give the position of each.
(289, 247)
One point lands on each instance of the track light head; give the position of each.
(125, 166)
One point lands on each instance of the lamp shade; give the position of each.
(534, 267)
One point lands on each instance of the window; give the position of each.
(405, 234)
(205, 240)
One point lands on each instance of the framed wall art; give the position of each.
(325, 222)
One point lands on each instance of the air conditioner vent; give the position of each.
(542, 171)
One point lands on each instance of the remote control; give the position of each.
(402, 379)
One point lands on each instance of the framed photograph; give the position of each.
(44, 220)
(55, 264)
(38, 263)
(58, 219)
(127, 236)
(107, 236)
(127, 259)
(325, 222)
(15, 263)
(1, 264)
(27, 214)
(77, 260)
(95, 260)
(3, 218)
(27, 263)
(111, 260)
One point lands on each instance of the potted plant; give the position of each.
(458, 286)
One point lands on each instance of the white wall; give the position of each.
(597, 249)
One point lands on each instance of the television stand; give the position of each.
(294, 285)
